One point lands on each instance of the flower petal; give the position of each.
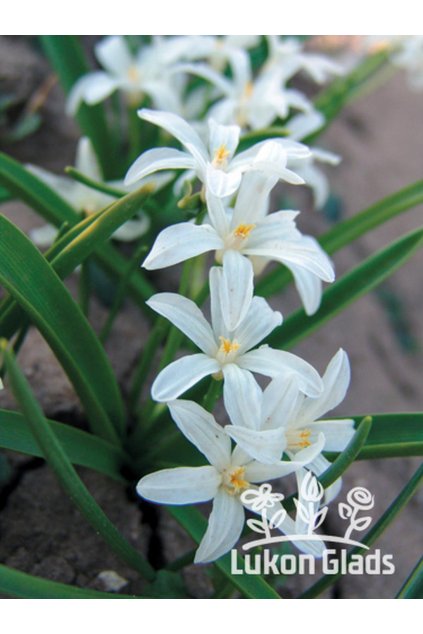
(259, 321)
(201, 429)
(91, 88)
(181, 242)
(272, 362)
(266, 446)
(185, 315)
(337, 433)
(279, 402)
(114, 55)
(179, 376)
(181, 130)
(133, 229)
(157, 159)
(221, 183)
(182, 485)
(309, 288)
(242, 397)
(225, 527)
(226, 136)
(217, 214)
(86, 160)
(236, 288)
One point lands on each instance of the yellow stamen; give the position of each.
(243, 231)
(221, 156)
(234, 481)
(227, 346)
(248, 90)
(299, 439)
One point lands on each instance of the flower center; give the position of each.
(133, 74)
(234, 481)
(243, 231)
(220, 158)
(227, 351)
(298, 439)
(248, 89)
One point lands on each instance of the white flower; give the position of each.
(410, 57)
(247, 231)
(224, 480)
(148, 72)
(239, 322)
(217, 50)
(265, 424)
(89, 200)
(248, 101)
(215, 164)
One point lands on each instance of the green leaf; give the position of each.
(373, 534)
(413, 586)
(24, 586)
(42, 199)
(347, 289)
(57, 459)
(251, 586)
(67, 57)
(393, 435)
(81, 448)
(29, 278)
(349, 230)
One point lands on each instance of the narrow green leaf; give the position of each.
(349, 230)
(373, 534)
(393, 435)
(251, 586)
(67, 57)
(57, 459)
(24, 586)
(413, 586)
(89, 182)
(347, 289)
(42, 199)
(81, 448)
(29, 278)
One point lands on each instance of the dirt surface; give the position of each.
(380, 138)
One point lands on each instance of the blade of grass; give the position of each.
(81, 448)
(29, 278)
(24, 586)
(58, 461)
(413, 585)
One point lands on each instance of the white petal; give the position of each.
(256, 471)
(337, 433)
(92, 89)
(236, 288)
(259, 321)
(180, 129)
(223, 135)
(225, 526)
(86, 160)
(155, 160)
(279, 402)
(182, 485)
(318, 466)
(202, 430)
(181, 242)
(309, 288)
(44, 236)
(304, 124)
(272, 362)
(114, 55)
(242, 397)
(217, 320)
(252, 200)
(335, 384)
(221, 183)
(179, 376)
(217, 214)
(266, 446)
(185, 315)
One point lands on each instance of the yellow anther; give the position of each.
(248, 90)
(234, 481)
(221, 156)
(227, 346)
(133, 74)
(299, 438)
(243, 231)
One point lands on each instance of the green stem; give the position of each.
(213, 394)
(84, 288)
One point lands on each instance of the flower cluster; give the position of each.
(279, 430)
